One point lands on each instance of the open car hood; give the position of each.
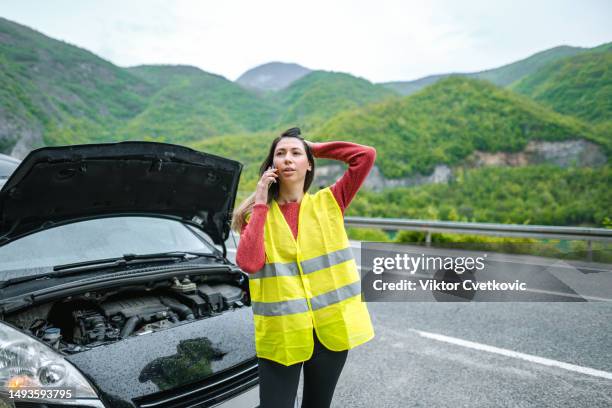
(59, 184)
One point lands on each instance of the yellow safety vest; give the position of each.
(311, 281)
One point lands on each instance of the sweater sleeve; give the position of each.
(250, 254)
(360, 159)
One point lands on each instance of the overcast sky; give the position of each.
(381, 40)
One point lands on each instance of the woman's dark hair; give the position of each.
(246, 206)
(293, 132)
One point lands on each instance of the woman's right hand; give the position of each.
(267, 178)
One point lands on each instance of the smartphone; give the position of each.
(273, 181)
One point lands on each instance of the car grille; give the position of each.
(214, 390)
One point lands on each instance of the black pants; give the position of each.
(278, 383)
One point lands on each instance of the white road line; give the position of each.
(514, 354)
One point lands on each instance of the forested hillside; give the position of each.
(579, 86)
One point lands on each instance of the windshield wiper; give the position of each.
(126, 259)
(129, 259)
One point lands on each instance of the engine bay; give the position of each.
(80, 322)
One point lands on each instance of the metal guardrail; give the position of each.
(508, 230)
(535, 231)
(491, 229)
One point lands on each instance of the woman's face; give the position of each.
(291, 160)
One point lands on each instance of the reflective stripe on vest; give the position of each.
(308, 266)
(301, 305)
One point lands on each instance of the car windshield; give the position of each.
(6, 168)
(100, 239)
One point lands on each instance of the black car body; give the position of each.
(112, 283)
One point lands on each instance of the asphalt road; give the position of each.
(408, 364)
(487, 354)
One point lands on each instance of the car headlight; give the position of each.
(26, 363)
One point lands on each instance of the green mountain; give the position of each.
(446, 122)
(501, 76)
(442, 124)
(320, 95)
(580, 85)
(190, 104)
(45, 84)
(55, 93)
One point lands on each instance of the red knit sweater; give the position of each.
(250, 254)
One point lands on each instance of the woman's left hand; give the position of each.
(308, 143)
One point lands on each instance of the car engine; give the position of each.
(78, 323)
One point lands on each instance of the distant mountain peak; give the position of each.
(272, 76)
(501, 76)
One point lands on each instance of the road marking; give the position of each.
(515, 354)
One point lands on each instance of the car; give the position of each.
(8, 164)
(115, 286)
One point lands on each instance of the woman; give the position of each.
(305, 287)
